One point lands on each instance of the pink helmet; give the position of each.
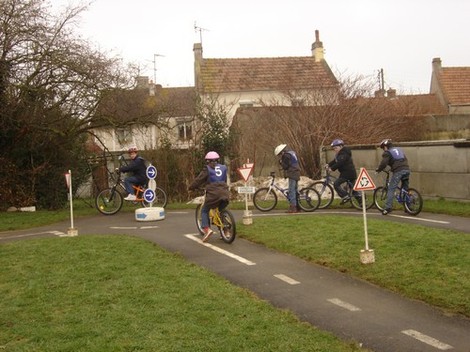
(212, 156)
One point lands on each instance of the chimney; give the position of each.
(379, 93)
(317, 48)
(436, 65)
(197, 48)
(142, 82)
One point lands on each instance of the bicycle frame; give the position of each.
(327, 193)
(410, 198)
(222, 219)
(265, 198)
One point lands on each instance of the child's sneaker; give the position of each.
(207, 233)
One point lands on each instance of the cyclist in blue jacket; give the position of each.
(290, 164)
(138, 168)
(214, 178)
(396, 159)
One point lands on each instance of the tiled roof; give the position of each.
(254, 74)
(455, 82)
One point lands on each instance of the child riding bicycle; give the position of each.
(396, 159)
(214, 177)
(138, 169)
(343, 162)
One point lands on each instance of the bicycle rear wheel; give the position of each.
(229, 229)
(309, 199)
(109, 201)
(326, 193)
(265, 199)
(356, 201)
(380, 197)
(413, 202)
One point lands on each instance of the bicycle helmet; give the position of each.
(279, 149)
(386, 143)
(212, 156)
(337, 142)
(132, 149)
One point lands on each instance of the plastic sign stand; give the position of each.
(150, 214)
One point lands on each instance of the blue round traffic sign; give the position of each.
(151, 172)
(149, 195)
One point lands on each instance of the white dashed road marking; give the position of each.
(56, 233)
(287, 279)
(220, 250)
(343, 304)
(427, 339)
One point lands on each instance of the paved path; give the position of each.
(349, 308)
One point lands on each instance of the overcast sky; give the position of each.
(359, 36)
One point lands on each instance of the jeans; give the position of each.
(397, 176)
(293, 185)
(205, 213)
(341, 191)
(129, 182)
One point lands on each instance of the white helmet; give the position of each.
(279, 148)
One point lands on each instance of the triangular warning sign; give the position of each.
(364, 181)
(245, 172)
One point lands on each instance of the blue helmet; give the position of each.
(337, 142)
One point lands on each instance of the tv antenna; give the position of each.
(155, 67)
(199, 29)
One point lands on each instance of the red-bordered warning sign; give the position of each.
(245, 172)
(364, 181)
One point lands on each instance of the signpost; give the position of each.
(68, 180)
(364, 183)
(150, 213)
(245, 172)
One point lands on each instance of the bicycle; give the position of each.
(410, 199)
(265, 198)
(110, 200)
(222, 219)
(327, 193)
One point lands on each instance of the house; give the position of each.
(452, 87)
(247, 82)
(164, 115)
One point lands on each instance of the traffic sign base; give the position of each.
(367, 256)
(72, 232)
(150, 214)
(247, 217)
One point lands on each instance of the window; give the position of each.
(185, 130)
(124, 136)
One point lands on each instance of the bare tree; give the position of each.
(51, 84)
(313, 120)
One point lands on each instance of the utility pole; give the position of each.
(155, 67)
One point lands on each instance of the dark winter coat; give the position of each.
(290, 164)
(138, 168)
(396, 164)
(215, 191)
(343, 162)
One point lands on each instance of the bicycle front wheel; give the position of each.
(229, 230)
(199, 219)
(413, 202)
(265, 199)
(160, 199)
(309, 199)
(326, 193)
(380, 197)
(356, 201)
(109, 201)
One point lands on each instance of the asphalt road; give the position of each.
(349, 308)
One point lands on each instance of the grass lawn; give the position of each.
(119, 293)
(431, 265)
